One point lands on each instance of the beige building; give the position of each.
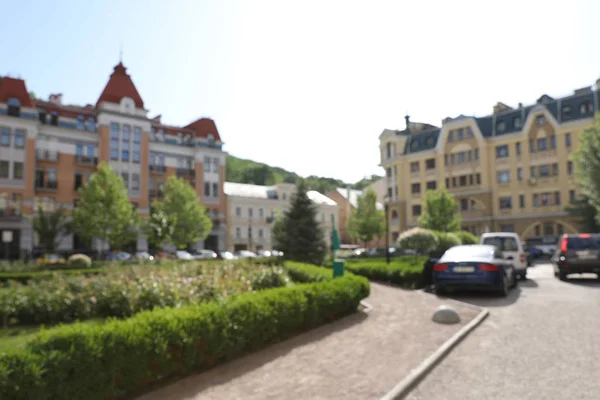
(509, 171)
(251, 210)
(379, 188)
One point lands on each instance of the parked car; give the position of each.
(264, 253)
(474, 266)
(183, 255)
(245, 254)
(118, 256)
(577, 254)
(511, 246)
(276, 253)
(51, 259)
(227, 255)
(163, 255)
(144, 256)
(205, 255)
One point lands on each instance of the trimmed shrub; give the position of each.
(79, 261)
(403, 271)
(466, 237)
(421, 240)
(118, 358)
(305, 273)
(445, 241)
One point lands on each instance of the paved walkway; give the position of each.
(540, 343)
(358, 358)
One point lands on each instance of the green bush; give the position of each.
(122, 292)
(445, 241)
(421, 240)
(305, 273)
(466, 237)
(79, 261)
(403, 271)
(118, 358)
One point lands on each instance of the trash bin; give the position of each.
(338, 268)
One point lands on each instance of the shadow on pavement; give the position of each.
(588, 280)
(189, 387)
(486, 299)
(528, 283)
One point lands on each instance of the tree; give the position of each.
(422, 241)
(440, 212)
(51, 227)
(104, 210)
(185, 216)
(278, 232)
(366, 222)
(587, 163)
(586, 213)
(157, 227)
(301, 236)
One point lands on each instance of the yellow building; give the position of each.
(509, 171)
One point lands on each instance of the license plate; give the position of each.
(464, 269)
(585, 255)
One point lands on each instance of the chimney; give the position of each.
(520, 105)
(55, 99)
(157, 119)
(407, 120)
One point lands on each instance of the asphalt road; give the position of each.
(541, 342)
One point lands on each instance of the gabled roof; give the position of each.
(120, 85)
(11, 87)
(319, 198)
(352, 195)
(269, 192)
(203, 127)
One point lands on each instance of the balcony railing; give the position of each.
(85, 160)
(158, 168)
(185, 172)
(52, 185)
(10, 213)
(45, 155)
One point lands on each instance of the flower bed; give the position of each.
(116, 359)
(122, 292)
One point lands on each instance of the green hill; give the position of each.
(248, 171)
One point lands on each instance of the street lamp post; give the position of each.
(387, 228)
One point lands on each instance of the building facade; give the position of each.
(509, 171)
(251, 211)
(347, 200)
(48, 150)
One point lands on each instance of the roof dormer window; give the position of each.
(501, 126)
(54, 118)
(540, 120)
(42, 116)
(14, 107)
(517, 123)
(586, 107)
(127, 105)
(566, 111)
(80, 124)
(211, 139)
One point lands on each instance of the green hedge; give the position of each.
(24, 277)
(403, 271)
(305, 273)
(118, 358)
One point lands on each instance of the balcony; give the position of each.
(185, 172)
(543, 154)
(158, 169)
(45, 155)
(467, 214)
(10, 214)
(49, 185)
(85, 160)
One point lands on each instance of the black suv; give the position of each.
(577, 254)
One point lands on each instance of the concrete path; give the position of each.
(542, 342)
(358, 358)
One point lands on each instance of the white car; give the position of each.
(511, 246)
(245, 254)
(205, 255)
(226, 255)
(264, 253)
(183, 255)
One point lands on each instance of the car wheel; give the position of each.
(440, 290)
(514, 281)
(562, 276)
(505, 287)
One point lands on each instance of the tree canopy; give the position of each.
(104, 210)
(366, 222)
(51, 227)
(440, 212)
(586, 213)
(587, 163)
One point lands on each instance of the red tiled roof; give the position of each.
(120, 85)
(64, 111)
(172, 130)
(203, 127)
(11, 87)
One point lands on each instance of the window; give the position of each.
(161, 160)
(447, 182)
(568, 140)
(557, 198)
(586, 107)
(517, 122)
(215, 167)
(80, 124)
(416, 210)
(431, 185)
(464, 204)
(250, 212)
(504, 176)
(114, 141)
(5, 136)
(78, 180)
(206, 189)
(553, 142)
(135, 182)
(238, 211)
(51, 183)
(505, 202)
(446, 159)
(461, 157)
(502, 151)
(42, 116)
(20, 138)
(152, 159)
(555, 169)
(519, 174)
(414, 166)
(542, 144)
(18, 168)
(548, 229)
(572, 197)
(570, 168)
(4, 167)
(91, 124)
(14, 107)
(215, 190)
(249, 231)
(544, 171)
(537, 230)
(470, 155)
(476, 154)
(451, 136)
(501, 126)
(518, 148)
(522, 201)
(415, 188)
(125, 177)
(470, 179)
(54, 118)
(151, 185)
(39, 177)
(478, 179)
(460, 134)
(540, 120)
(79, 149)
(469, 132)
(532, 145)
(211, 139)
(47, 204)
(533, 172)
(462, 180)
(430, 163)
(238, 233)
(509, 243)
(559, 229)
(260, 233)
(137, 134)
(452, 159)
(160, 184)
(566, 111)
(90, 150)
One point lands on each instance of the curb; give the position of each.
(366, 307)
(416, 375)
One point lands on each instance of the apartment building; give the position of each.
(48, 150)
(251, 211)
(509, 171)
(347, 200)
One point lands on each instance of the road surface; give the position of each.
(541, 342)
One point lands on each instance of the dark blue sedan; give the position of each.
(474, 267)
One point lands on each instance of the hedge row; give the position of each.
(118, 358)
(403, 271)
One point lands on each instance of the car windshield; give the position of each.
(503, 243)
(583, 243)
(468, 252)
